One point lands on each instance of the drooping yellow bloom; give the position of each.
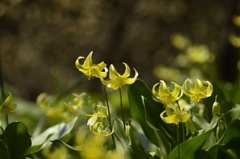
(95, 123)
(116, 80)
(8, 106)
(64, 109)
(175, 115)
(96, 126)
(90, 69)
(198, 90)
(164, 94)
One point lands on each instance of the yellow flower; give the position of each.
(116, 80)
(8, 106)
(93, 146)
(101, 111)
(90, 69)
(198, 90)
(60, 153)
(175, 115)
(96, 126)
(63, 109)
(164, 94)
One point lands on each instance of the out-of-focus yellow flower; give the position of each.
(198, 90)
(116, 80)
(236, 20)
(90, 69)
(180, 41)
(0, 123)
(234, 40)
(63, 109)
(101, 112)
(58, 153)
(164, 94)
(199, 54)
(175, 115)
(93, 146)
(8, 106)
(166, 73)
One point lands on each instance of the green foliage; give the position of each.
(15, 140)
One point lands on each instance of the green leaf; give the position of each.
(60, 142)
(232, 133)
(147, 113)
(72, 151)
(189, 147)
(52, 133)
(3, 150)
(17, 139)
(138, 153)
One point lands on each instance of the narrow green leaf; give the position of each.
(59, 142)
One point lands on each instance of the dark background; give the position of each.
(41, 39)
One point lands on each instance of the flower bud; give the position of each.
(216, 108)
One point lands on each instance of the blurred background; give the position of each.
(163, 39)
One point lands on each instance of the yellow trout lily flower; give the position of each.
(64, 109)
(175, 115)
(8, 106)
(90, 69)
(198, 90)
(116, 80)
(96, 126)
(164, 94)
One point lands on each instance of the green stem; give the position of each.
(183, 132)
(120, 94)
(109, 115)
(2, 129)
(178, 143)
(6, 116)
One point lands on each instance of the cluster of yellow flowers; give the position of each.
(100, 71)
(116, 81)
(175, 112)
(60, 109)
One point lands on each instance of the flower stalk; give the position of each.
(120, 94)
(109, 115)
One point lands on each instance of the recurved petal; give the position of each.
(154, 89)
(88, 61)
(169, 119)
(209, 88)
(198, 87)
(127, 71)
(185, 88)
(177, 92)
(113, 74)
(105, 82)
(78, 65)
(92, 120)
(131, 80)
(163, 89)
(102, 65)
(185, 116)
